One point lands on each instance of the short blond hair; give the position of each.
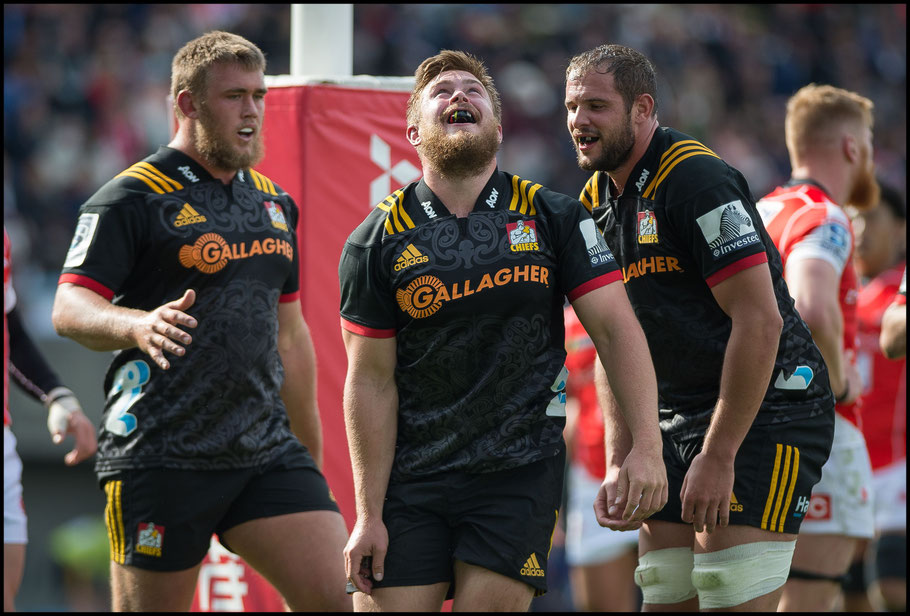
(192, 63)
(816, 112)
(448, 60)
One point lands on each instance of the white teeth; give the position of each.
(246, 131)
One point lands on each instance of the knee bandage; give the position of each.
(735, 575)
(665, 576)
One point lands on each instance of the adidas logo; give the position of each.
(188, 216)
(734, 504)
(532, 567)
(410, 256)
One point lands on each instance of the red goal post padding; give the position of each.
(338, 147)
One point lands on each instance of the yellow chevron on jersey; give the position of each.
(152, 177)
(398, 219)
(590, 194)
(674, 155)
(263, 183)
(777, 505)
(523, 197)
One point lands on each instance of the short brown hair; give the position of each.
(448, 60)
(191, 64)
(632, 72)
(816, 110)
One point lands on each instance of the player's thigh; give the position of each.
(13, 566)
(417, 599)
(660, 534)
(607, 586)
(829, 555)
(301, 554)
(478, 589)
(287, 526)
(141, 590)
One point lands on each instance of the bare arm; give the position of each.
(94, 322)
(814, 286)
(299, 388)
(371, 422)
(748, 299)
(893, 338)
(623, 351)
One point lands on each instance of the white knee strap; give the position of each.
(665, 576)
(735, 575)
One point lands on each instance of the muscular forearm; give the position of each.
(92, 321)
(299, 395)
(371, 422)
(636, 397)
(748, 364)
(617, 437)
(827, 327)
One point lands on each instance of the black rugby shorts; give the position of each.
(502, 521)
(775, 469)
(163, 519)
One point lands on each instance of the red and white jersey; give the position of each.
(9, 302)
(805, 223)
(588, 448)
(228, 584)
(884, 381)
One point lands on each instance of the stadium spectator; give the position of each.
(880, 260)
(31, 372)
(829, 137)
(743, 389)
(222, 436)
(451, 309)
(602, 562)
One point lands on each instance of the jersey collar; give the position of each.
(492, 197)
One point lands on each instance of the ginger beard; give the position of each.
(865, 192)
(459, 155)
(215, 146)
(615, 149)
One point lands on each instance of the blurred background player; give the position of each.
(829, 138)
(880, 259)
(893, 340)
(31, 372)
(601, 561)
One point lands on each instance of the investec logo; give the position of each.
(403, 171)
(410, 256)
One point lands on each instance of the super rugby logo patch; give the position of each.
(727, 228)
(82, 239)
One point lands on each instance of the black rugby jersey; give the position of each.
(163, 226)
(476, 306)
(686, 221)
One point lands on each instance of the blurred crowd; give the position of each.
(85, 85)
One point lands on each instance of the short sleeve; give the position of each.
(367, 305)
(722, 226)
(585, 262)
(104, 248)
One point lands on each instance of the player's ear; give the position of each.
(413, 135)
(187, 104)
(850, 148)
(643, 107)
